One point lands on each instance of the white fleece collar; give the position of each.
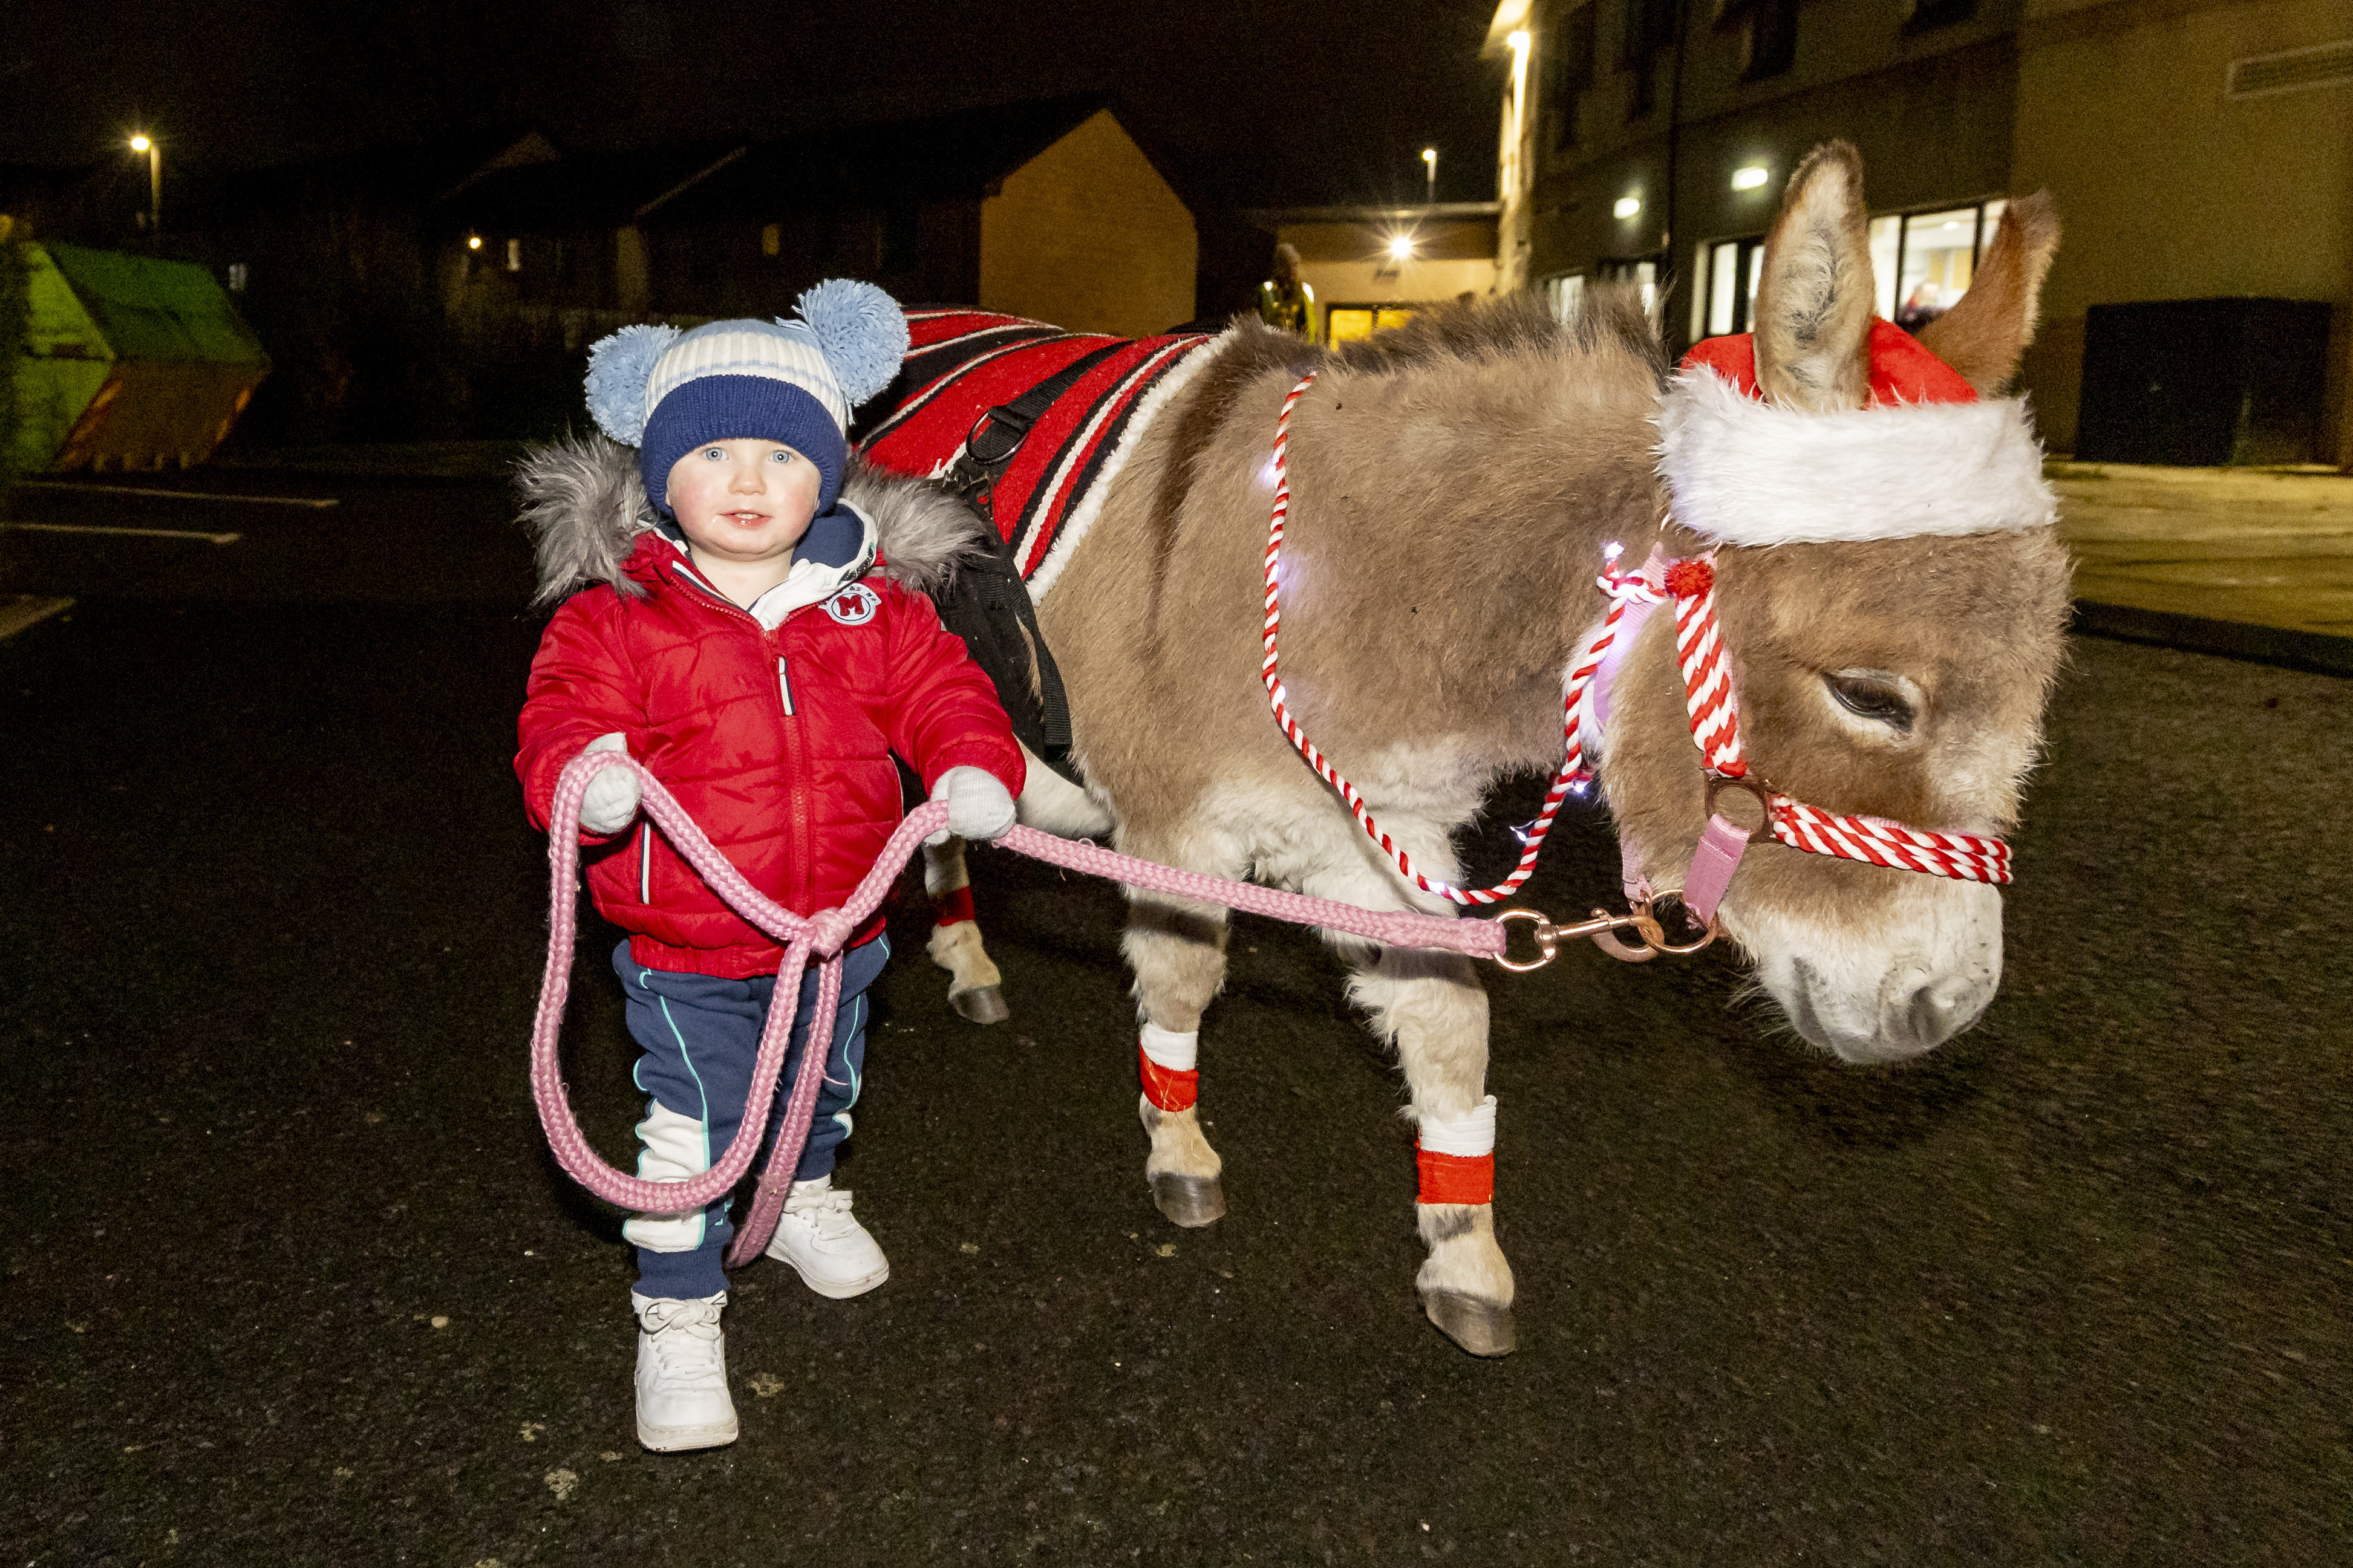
(812, 582)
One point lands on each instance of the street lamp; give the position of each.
(143, 143)
(1401, 248)
(1430, 162)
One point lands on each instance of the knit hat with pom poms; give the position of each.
(666, 393)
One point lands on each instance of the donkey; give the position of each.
(1455, 485)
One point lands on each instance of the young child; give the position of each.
(748, 653)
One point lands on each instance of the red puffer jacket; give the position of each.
(777, 742)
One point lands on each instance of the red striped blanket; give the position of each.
(962, 362)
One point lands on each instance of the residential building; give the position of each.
(1370, 267)
(451, 289)
(2196, 148)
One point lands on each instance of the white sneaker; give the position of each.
(821, 1242)
(682, 1399)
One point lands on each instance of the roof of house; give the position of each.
(948, 157)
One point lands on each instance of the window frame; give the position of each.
(1743, 308)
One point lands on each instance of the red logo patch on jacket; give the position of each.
(854, 605)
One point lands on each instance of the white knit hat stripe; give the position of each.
(793, 358)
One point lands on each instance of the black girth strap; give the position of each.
(988, 606)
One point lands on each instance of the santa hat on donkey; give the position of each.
(1894, 444)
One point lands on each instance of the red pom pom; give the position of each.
(1689, 579)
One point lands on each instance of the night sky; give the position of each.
(1246, 104)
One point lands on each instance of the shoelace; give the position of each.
(685, 1341)
(827, 1213)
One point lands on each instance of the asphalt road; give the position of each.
(290, 1278)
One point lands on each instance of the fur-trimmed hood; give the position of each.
(585, 507)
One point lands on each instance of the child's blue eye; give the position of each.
(714, 454)
(780, 457)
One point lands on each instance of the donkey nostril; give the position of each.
(1928, 1019)
(1937, 1013)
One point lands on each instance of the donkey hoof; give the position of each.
(982, 1005)
(1479, 1327)
(1188, 1201)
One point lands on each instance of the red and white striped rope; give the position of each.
(1271, 670)
(1709, 701)
(1965, 857)
(1707, 674)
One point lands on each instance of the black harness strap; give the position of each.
(989, 605)
(999, 433)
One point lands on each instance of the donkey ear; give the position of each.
(1814, 294)
(1983, 335)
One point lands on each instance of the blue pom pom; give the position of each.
(862, 332)
(619, 367)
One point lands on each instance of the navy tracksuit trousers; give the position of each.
(701, 1036)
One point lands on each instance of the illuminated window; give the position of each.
(1640, 271)
(771, 238)
(1346, 323)
(237, 276)
(1921, 264)
(514, 255)
(1924, 262)
(1724, 277)
(1564, 295)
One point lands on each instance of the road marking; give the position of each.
(138, 532)
(20, 611)
(316, 501)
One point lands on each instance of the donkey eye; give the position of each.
(1869, 695)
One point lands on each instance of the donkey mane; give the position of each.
(1610, 317)
(1456, 332)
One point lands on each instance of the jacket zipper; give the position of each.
(793, 761)
(646, 863)
(796, 770)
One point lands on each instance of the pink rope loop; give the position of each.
(824, 933)
(1393, 928)
(565, 1136)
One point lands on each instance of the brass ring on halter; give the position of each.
(1654, 929)
(1548, 940)
(1747, 784)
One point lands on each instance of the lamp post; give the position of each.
(146, 144)
(1429, 165)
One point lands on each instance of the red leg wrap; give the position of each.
(1455, 1178)
(952, 905)
(1168, 1091)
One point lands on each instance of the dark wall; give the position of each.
(1233, 258)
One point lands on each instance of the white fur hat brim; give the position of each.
(1746, 472)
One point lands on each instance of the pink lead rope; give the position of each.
(821, 935)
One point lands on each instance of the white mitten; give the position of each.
(979, 806)
(611, 799)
